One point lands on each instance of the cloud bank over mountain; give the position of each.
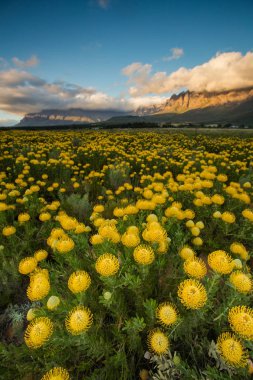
(21, 91)
(225, 71)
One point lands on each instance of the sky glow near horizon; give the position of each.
(112, 54)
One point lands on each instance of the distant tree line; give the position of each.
(139, 125)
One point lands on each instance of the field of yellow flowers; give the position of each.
(125, 256)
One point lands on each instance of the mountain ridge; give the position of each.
(188, 100)
(68, 116)
(187, 106)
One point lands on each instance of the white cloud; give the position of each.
(225, 71)
(176, 53)
(21, 92)
(144, 101)
(134, 68)
(31, 62)
(137, 73)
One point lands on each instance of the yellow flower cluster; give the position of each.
(103, 221)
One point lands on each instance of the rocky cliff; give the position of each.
(187, 101)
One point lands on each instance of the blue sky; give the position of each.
(89, 42)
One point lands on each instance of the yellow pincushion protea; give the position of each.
(3, 206)
(197, 241)
(222, 177)
(163, 246)
(154, 233)
(148, 194)
(158, 342)
(55, 236)
(171, 211)
(244, 198)
(80, 228)
(22, 218)
(143, 204)
(241, 321)
(192, 294)
(44, 216)
(79, 281)
(41, 254)
(189, 214)
(228, 217)
(38, 332)
(96, 239)
(195, 231)
(8, 230)
(65, 245)
(98, 208)
(109, 232)
(239, 249)
(143, 254)
(166, 313)
(195, 268)
(187, 253)
(151, 218)
(114, 237)
(38, 272)
(67, 223)
(98, 222)
(107, 265)
(118, 212)
(190, 223)
(133, 230)
(130, 240)
(39, 287)
(231, 350)
(218, 199)
(248, 214)
(78, 320)
(27, 265)
(56, 373)
(57, 233)
(241, 281)
(220, 262)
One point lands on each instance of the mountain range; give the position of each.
(51, 117)
(234, 106)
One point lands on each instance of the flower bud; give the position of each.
(107, 296)
(53, 302)
(176, 360)
(237, 264)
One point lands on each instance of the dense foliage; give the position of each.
(125, 256)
